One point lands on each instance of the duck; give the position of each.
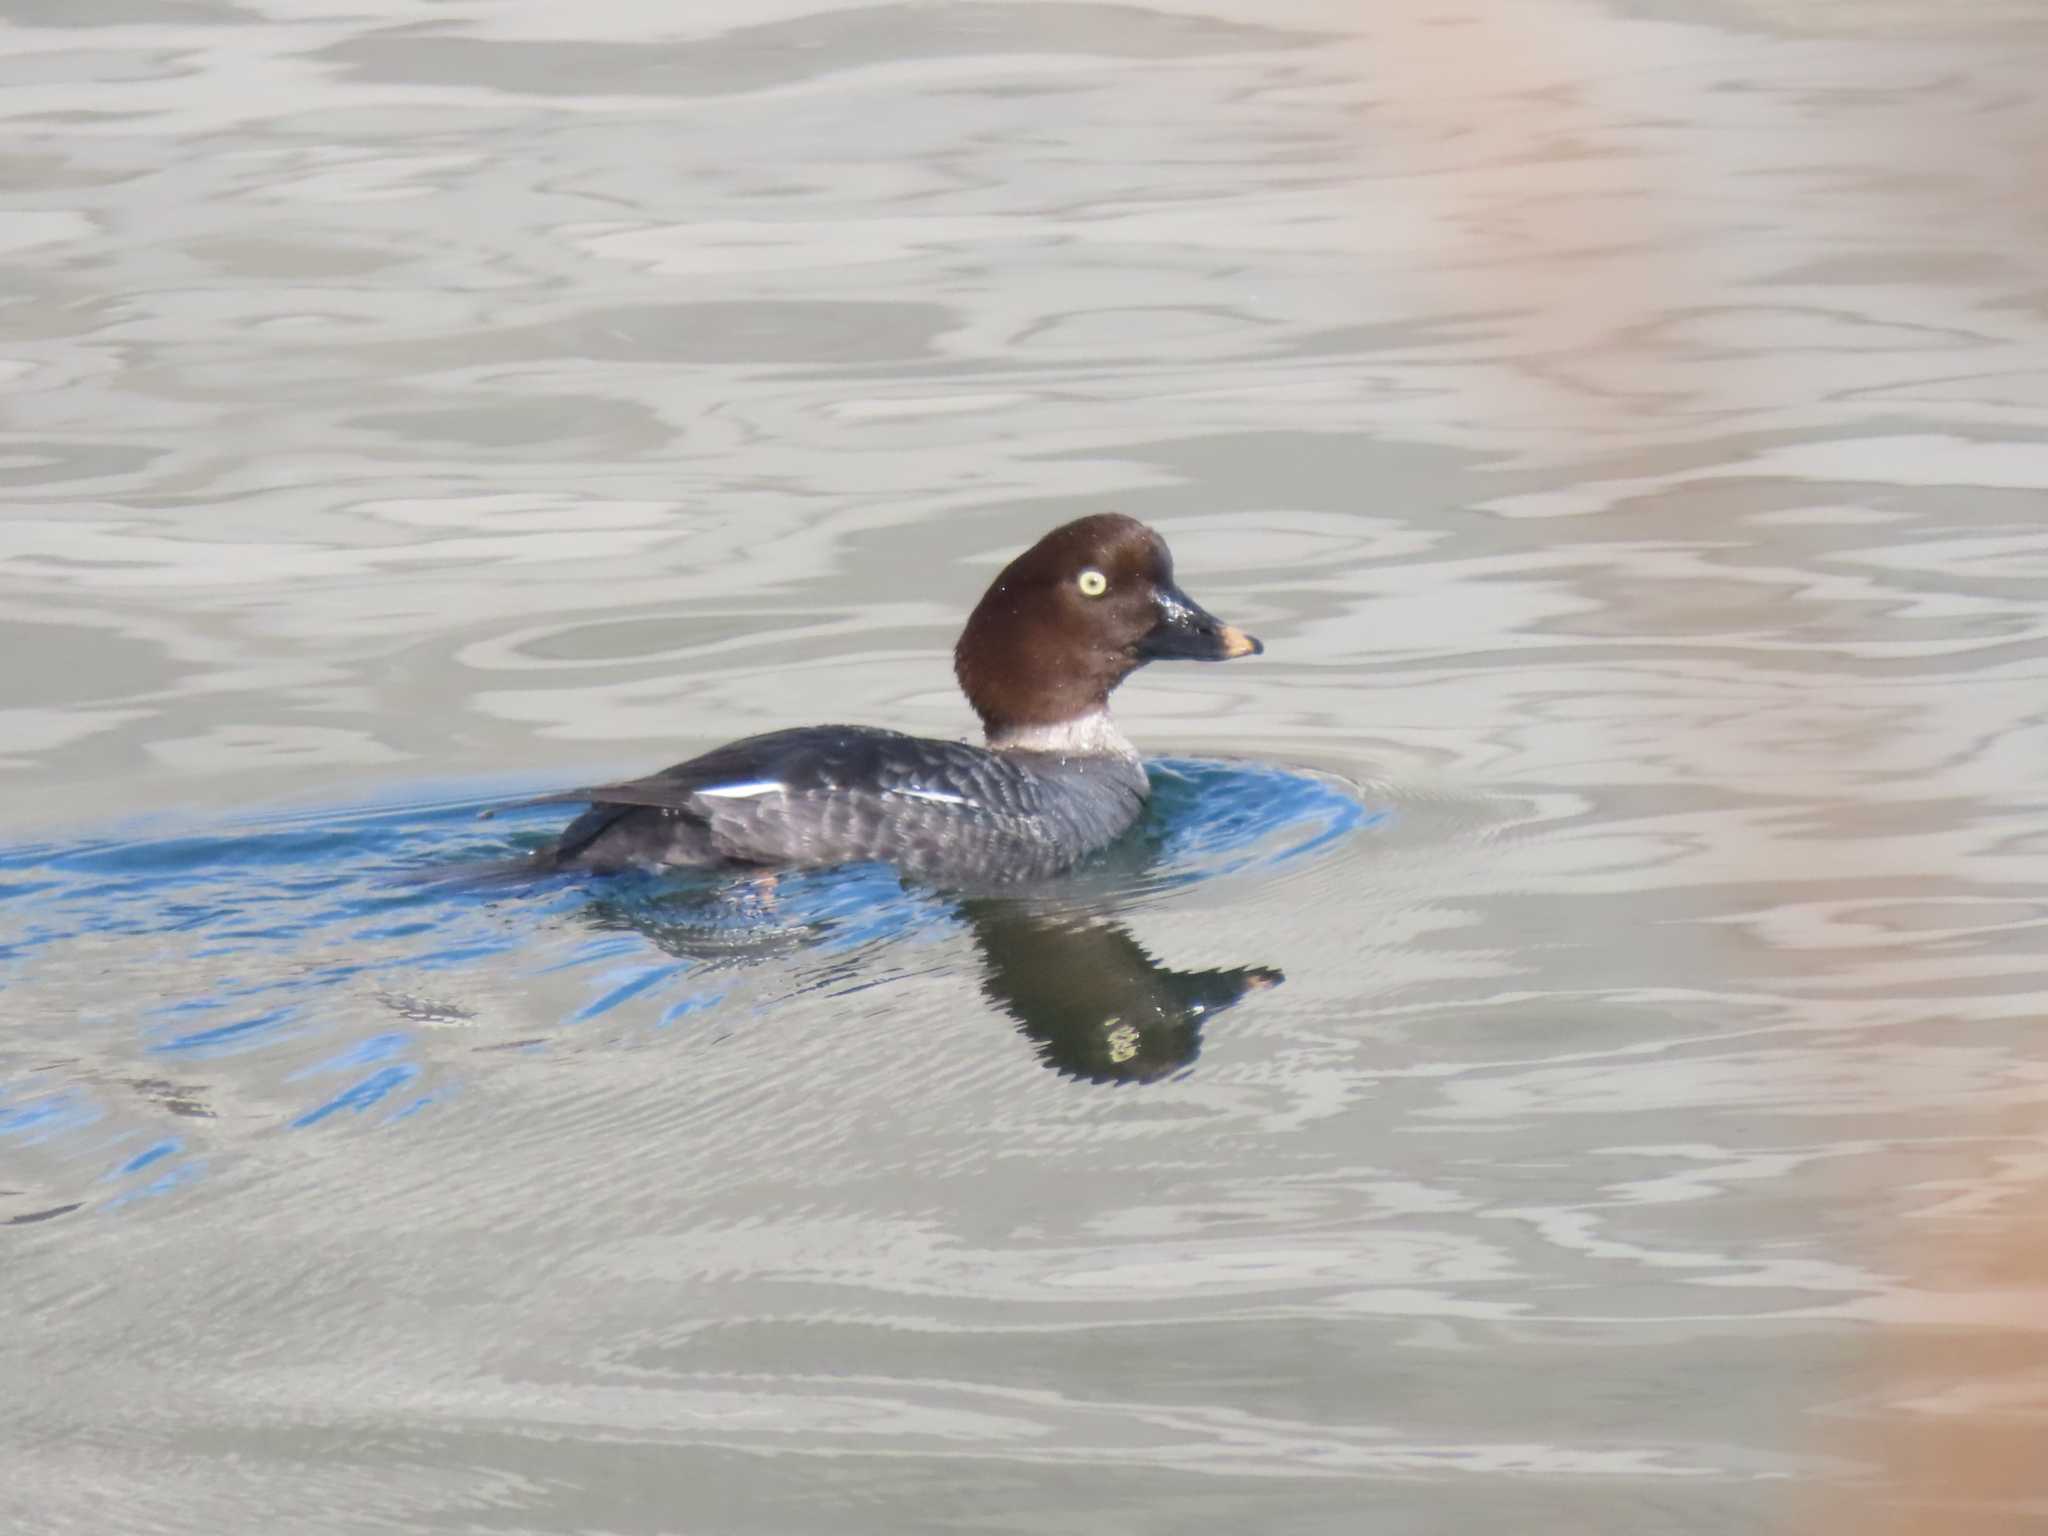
(1052, 781)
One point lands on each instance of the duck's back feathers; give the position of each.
(838, 794)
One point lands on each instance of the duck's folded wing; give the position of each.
(653, 792)
(757, 763)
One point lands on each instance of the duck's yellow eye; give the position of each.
(1092, 582)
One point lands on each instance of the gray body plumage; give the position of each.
(940, 811)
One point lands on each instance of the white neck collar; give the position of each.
(1091, 735)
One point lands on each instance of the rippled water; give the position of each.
(1563, 1052)
(280, 940)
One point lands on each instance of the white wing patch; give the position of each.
(746, 790)
(749, 789)
(939, 796)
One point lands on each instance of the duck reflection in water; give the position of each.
(1097, 1005)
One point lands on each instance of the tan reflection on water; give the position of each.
(1951, 1421)
(1956, 1416)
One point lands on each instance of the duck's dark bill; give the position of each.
(1187, 631)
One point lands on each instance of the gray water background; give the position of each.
(1627, 425)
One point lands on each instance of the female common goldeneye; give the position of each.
(1064, 623)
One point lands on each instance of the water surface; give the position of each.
(1571, 1012)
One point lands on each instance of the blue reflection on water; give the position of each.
(154, 1153)
(360, 1096)
(227, 1039)
(1209, 819)
(35, 1118)
(262, 925)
